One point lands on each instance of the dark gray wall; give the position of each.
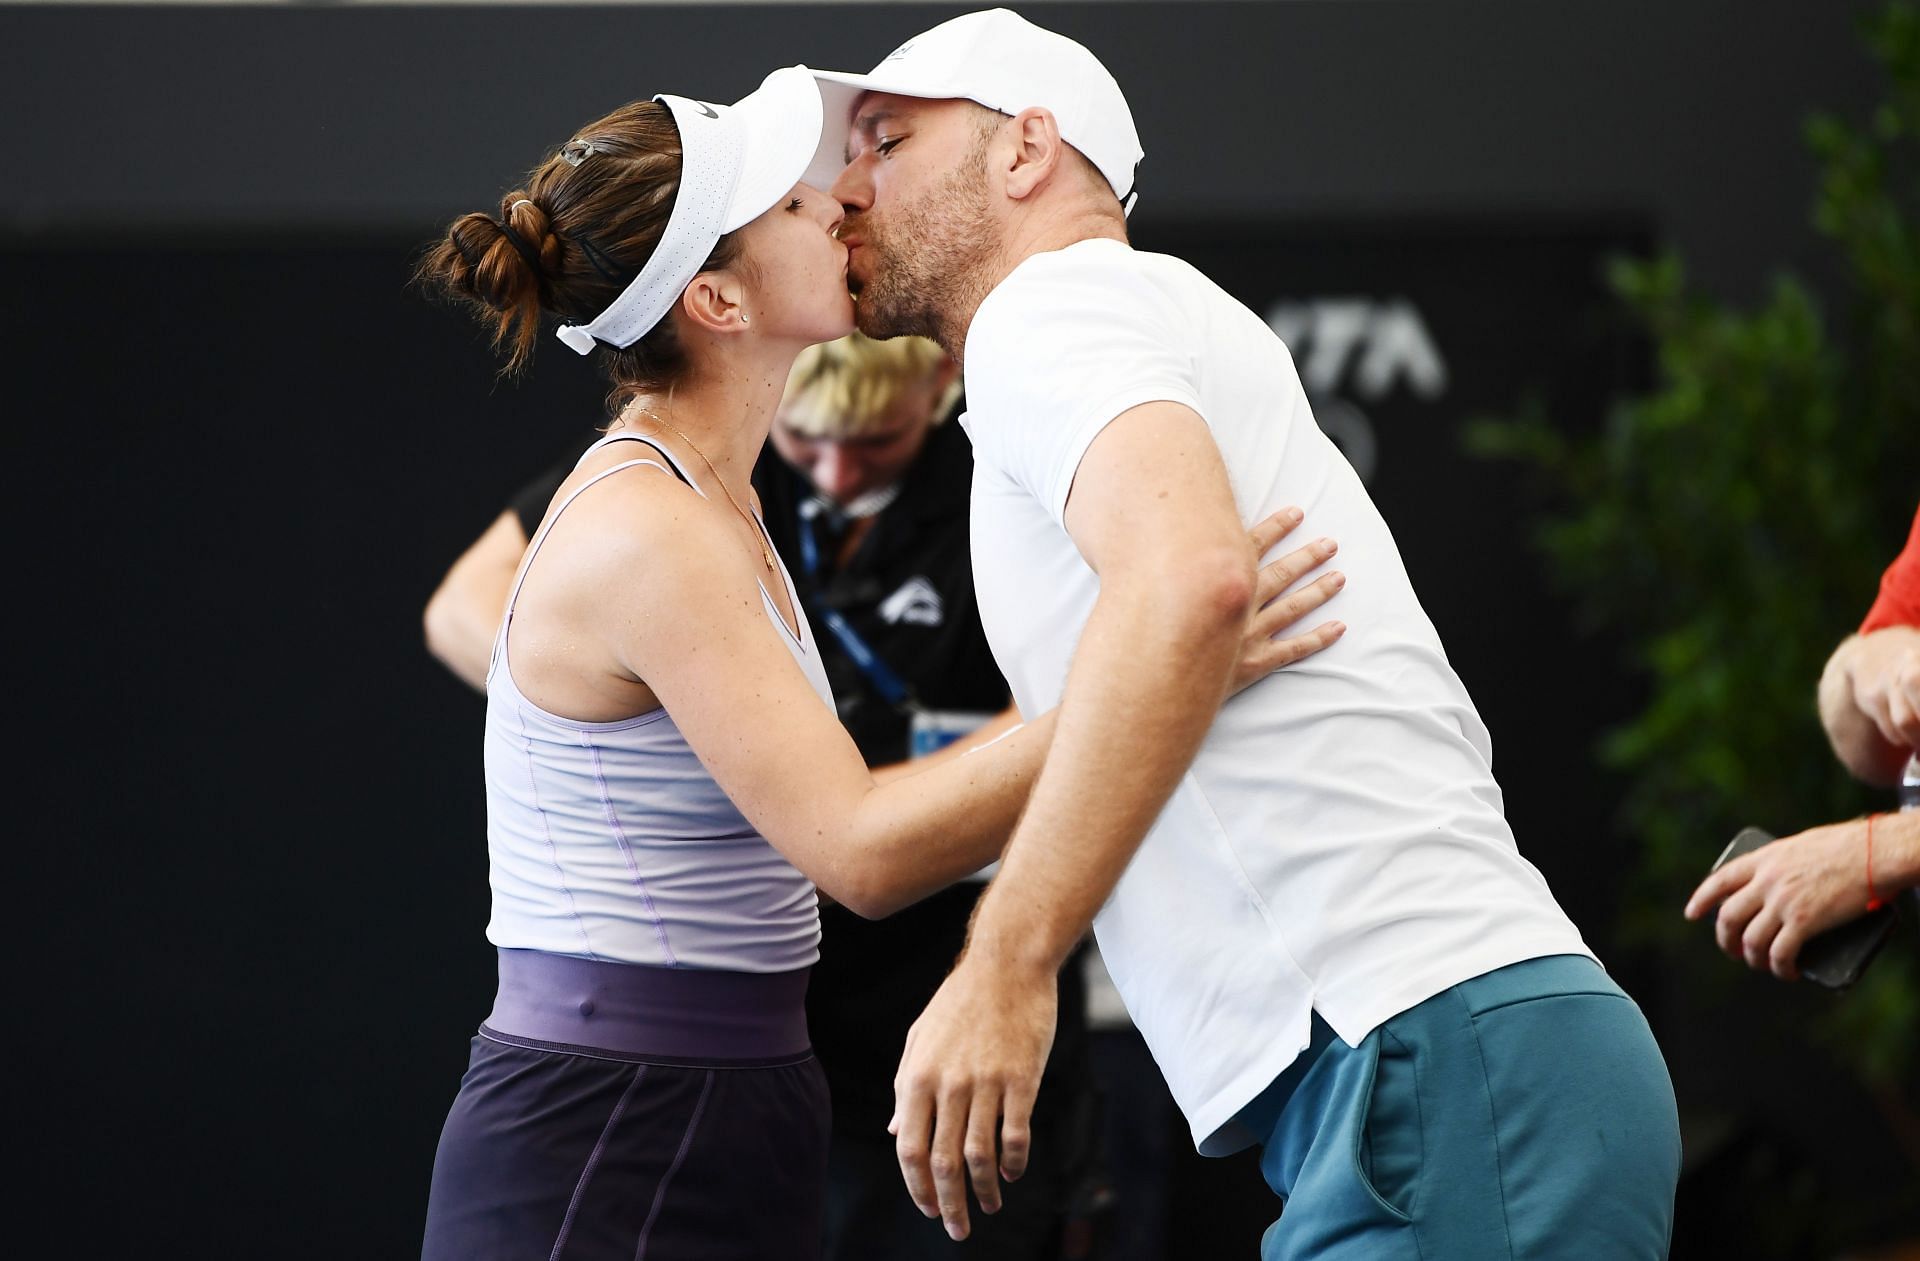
(359, 118)
(250, 893)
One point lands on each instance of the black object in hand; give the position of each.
(1837, 957)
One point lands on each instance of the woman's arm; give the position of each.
(986, 733)
(685, 617)
(1263, 649)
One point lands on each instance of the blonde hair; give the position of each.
(844, 389)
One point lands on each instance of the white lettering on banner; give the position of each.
(1369, 346)
(1372, 345)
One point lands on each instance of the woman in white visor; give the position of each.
(667, 781)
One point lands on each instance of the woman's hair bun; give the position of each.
(569, 238)
(506, 265)
(531, 232)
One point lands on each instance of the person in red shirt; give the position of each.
(1870, 691)
(1773, 899)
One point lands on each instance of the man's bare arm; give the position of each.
(1153, 513)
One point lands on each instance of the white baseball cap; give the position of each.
(1000, 60)
(736, 162)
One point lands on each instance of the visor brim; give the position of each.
(781, 123)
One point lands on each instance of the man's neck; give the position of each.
(1042, 236)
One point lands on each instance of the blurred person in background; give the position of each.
(1870, 690)
(463, 613)
(1772, 900)
(868, 495)
(864, 485)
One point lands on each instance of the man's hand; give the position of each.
(963, 1098)
(1885, 671)
(1870, 702)
(1773, 899)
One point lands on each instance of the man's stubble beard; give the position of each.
(930, 255)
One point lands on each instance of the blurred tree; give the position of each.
(1731, 526)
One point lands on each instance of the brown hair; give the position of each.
(569, 242)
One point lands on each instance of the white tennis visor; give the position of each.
(998, 59)
(737, 161)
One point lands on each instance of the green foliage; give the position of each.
(1731, 527)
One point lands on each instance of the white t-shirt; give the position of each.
(1338, 843)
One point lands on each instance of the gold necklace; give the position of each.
(766, 553)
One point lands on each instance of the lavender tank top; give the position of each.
(609, 840)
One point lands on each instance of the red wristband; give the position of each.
(1874, 900)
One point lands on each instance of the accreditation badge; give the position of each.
(934, 729)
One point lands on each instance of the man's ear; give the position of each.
(1037, 152)
(712, 302)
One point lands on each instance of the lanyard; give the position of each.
(891, 687)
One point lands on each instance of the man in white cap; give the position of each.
(1309, 897)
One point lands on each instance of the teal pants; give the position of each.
(1523, 1114)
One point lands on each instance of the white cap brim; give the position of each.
(839, 92)
(780, 122)
(998, 59)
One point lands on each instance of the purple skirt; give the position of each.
(611, 1110)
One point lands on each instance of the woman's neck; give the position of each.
(723, 413)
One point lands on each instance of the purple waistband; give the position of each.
(650, 1012)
